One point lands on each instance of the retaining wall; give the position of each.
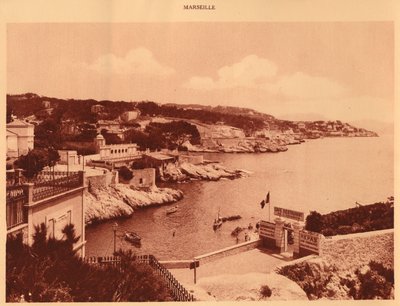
(232, 250)
(176, 264)
(102, 180)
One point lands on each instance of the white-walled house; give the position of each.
(20, 138)
(129, 115)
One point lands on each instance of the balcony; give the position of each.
(47, 184)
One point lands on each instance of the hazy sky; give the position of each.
(322, 70)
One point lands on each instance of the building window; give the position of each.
(112, 151)
(140, 181)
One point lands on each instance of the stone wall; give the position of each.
(232, 250)
(143, 177)
(103, 180)
(355, 250)
(176, 264)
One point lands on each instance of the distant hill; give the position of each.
(77, 110)
(304, 117)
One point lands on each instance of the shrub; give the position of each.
(314, 222)
(373, 285)
(49, 271)
(354, 220)
(265, 291)
(328, 231)
(344, 229)
(125, 173)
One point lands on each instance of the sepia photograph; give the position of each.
(199, 160)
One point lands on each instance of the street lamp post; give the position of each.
(115, 225)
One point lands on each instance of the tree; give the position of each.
(125, 173)
(314, 222)
(36, 160)
(53, 157)
(32, 163)
(110, 138)
(50, 271)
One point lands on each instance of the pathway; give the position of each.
(256, 260)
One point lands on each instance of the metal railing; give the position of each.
(48, 187)
(16, 212)
(177, 290)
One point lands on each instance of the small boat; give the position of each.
(217, 222)
(132, 237)
(171, 210)
(236, 231)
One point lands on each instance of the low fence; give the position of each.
(232, 250)
(178, 291)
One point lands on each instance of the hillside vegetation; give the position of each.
(364, 218)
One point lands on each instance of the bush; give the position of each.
(354, 220)
(49, 271)
(328, 231)
(314, 222)
(125, 173)
(265, 291)
(344, 229)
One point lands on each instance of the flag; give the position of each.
(266, 201)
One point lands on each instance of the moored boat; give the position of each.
(132, 237)
(217, 222)
(171, 210)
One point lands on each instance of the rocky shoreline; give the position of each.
(243, 146)
(211, 171)
(120, 200)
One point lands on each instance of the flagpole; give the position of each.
(269, 206)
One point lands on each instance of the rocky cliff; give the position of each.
(103, 203)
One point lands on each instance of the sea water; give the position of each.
(323, 175)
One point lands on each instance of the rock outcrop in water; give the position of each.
(242, 146)
(103, 203)
(209, 172)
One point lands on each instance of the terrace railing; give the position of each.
(16, 212)
(49, 184)
(178, 291)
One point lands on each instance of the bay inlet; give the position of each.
(324, 175)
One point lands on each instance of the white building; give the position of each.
(68, 157)
(111, 151)
(130, 115)
(12, 144)
(20, 138)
